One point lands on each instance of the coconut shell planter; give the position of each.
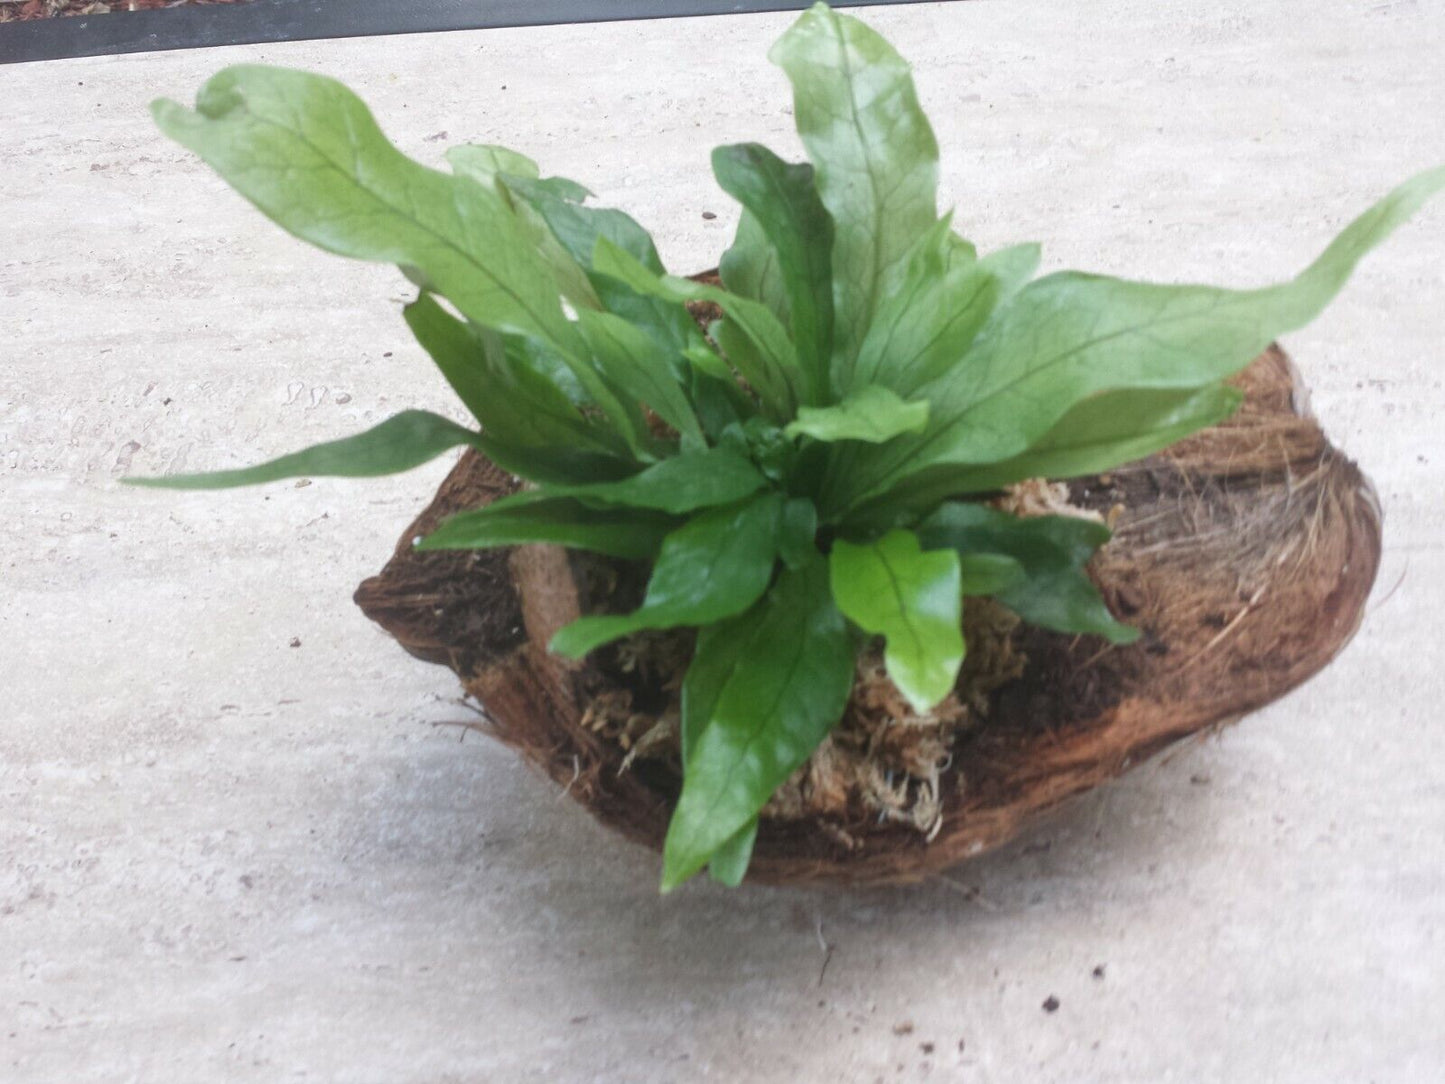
(844, 562)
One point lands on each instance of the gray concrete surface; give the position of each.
(238, 840)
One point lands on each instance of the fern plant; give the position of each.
(809, 472)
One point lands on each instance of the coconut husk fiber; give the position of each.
(1244, 553)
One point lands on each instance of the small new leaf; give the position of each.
(914, 600)
(873, 414)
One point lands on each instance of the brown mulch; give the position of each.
(24, 10)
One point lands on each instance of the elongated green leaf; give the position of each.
(1056, 591)
(927, 323)
(536, 517)
(308, 154)
(914, 600)
(1101, 433)
(873, 149)
(1069, 336)
(515, 404)
(783, 200)
(788, 685)
(729, 863)
(750, 268)
(641, 368)
(680, 483)
(873, 414)
(400, 443)
(771, 363)
(714, 567)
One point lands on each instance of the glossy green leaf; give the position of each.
(1070, 336)
(784, 202)
(873, 149)
(927, 323)
(750, 268)
(1103, 432)
(536, 517)
(790, 674)
(914, 600)
(770, 364)
(729, 863)
(680, 483)
(1056, 592)
(639, 367)
(715, 566)
(309, 155)
(490, 165)
(514, 403)
(400, 443)
(873, 414)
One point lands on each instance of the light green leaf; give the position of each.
(680, 483)
(400, 443)
(790, 675)
(873, 149)
(873, 414)
(578, 227)
(770, 364)
(1056, 592)
(713, 567)
(729, 863)
(784, 202)
(535, 517)
(639, 367)
(914, 600)
(308, 154)
(1069, 336)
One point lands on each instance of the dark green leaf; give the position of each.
(873, 149)
(914, 600)
(797, 534)
(307, 152)
(1056, 592)
(400, 443)
(787, 686)
(714, 567)
(536, 517)
(872, 413)
(782, 199)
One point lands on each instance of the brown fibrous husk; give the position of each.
(1245, 554)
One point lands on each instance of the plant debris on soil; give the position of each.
(24, 10)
